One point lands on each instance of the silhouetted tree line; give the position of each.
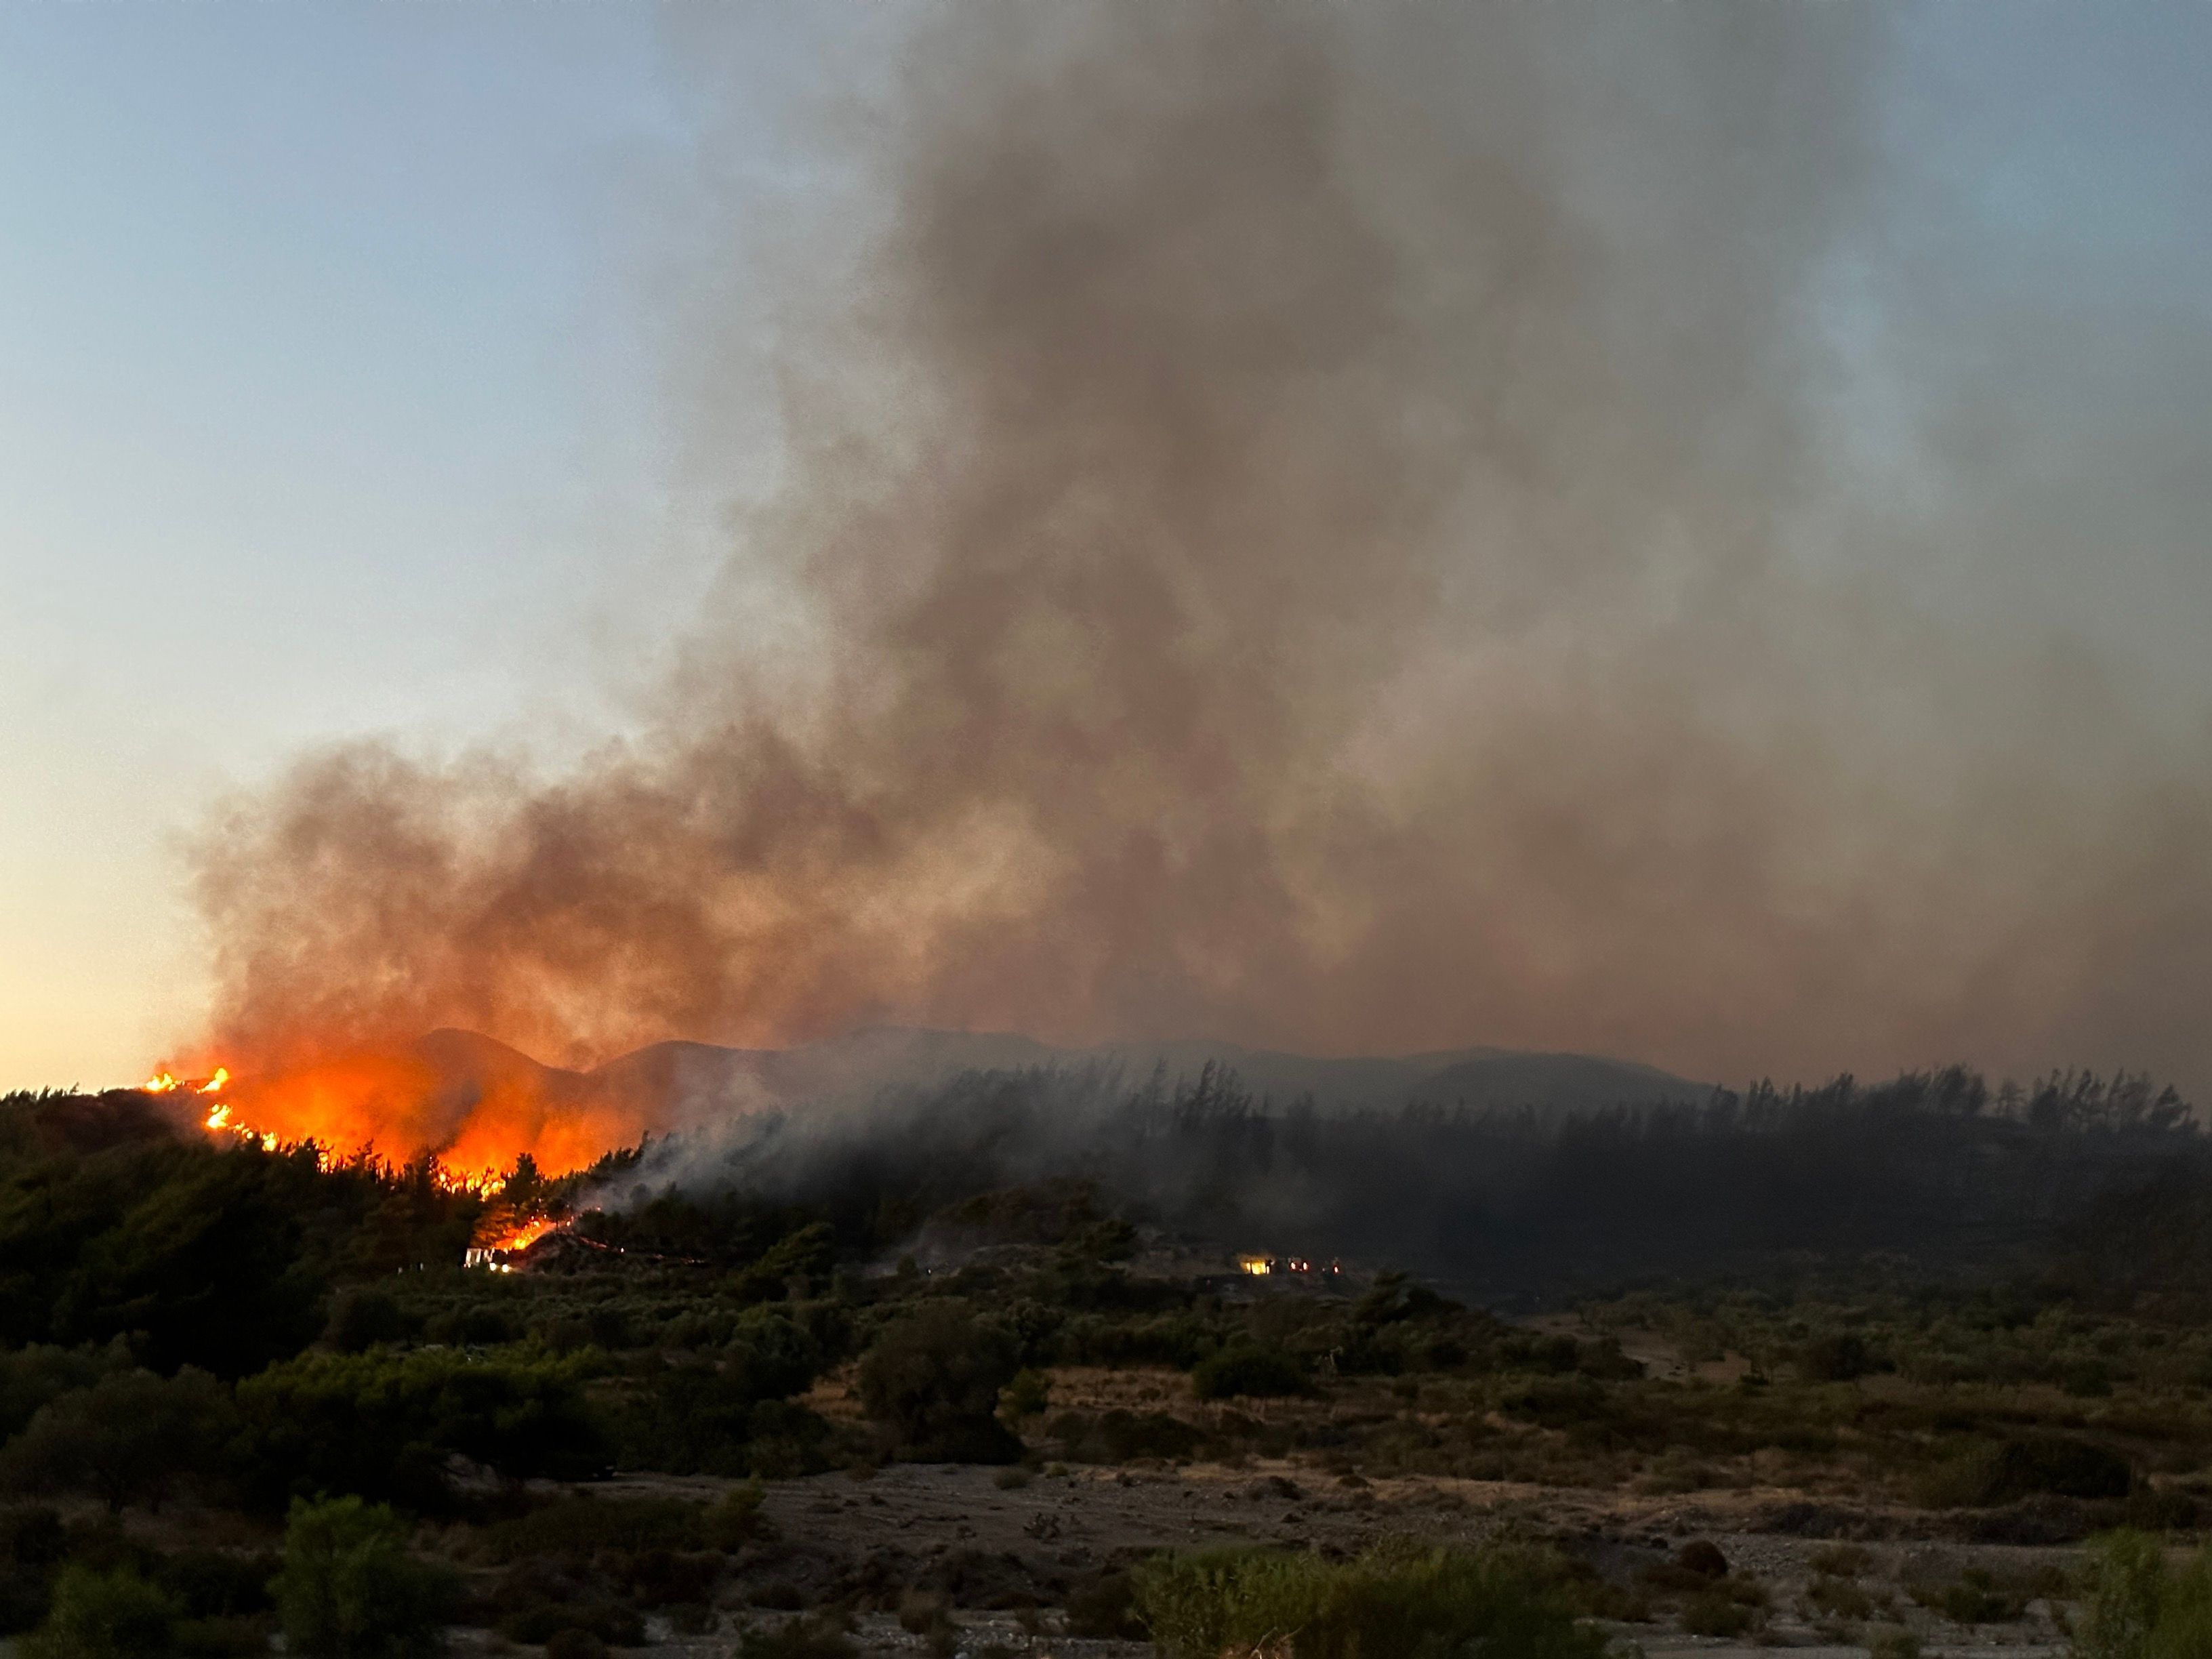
(115, 1223)
(1940, 1168)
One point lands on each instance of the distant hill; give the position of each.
(691, 1083)
(1477, 1077)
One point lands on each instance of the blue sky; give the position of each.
(323, 409)
(332, 399)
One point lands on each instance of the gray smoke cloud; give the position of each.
(1318, 528)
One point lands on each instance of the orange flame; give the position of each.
(503, 1233)
(329, 1105)
(398, 1107)
(511, 1234)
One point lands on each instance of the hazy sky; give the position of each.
(322, 410)
(336, 398)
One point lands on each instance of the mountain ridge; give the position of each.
(688, 1082)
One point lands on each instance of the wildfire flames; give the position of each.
(406, 1107)
(219, 1120)
(505, 1231)
(224, 1117)
(163, 1083)
(390, 1107)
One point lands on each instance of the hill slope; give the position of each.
(691, 1083)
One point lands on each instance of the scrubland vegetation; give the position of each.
(243, 1394)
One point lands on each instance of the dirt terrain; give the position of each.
(1005, 1547)
(989, 1535)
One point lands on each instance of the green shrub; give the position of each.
(115, 1614)
(540, 1618)
(31, 1541)
(928, 1614)
(664, 1578)
(1246, 1367)
(1839, 1357)
(2164, 1509)
(215, 1584)
(1395, 1601)
(736, 1518)
(1716, 1612)
(2003, 1472)
(1197, 1606)
(2090, 1380)
(785, 1441)
(475, 1327)
(1552, 1355)
(2068, 1468)
(1839, 1598)
(1126, 1436)
(200, 1254)
(582, 1525)
(1977, 1596)
(350, 1590)
(702, 1415)
(1702, 1559)
(933, 1379)
(1602, 1358)
(1104, 1609)
(2183, 1629)
(1176, 1339)
(2135, 1607)
(384, 1425)
(1026, 1396)
(1395, 1297)
(772, 1355)
(130, 1436)
(362, 1317)
(1123, 1437)
(31, 1376)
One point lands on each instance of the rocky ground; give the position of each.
(990, 1540)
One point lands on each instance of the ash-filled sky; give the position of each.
(1678, 531)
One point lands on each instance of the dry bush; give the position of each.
(1390, 1600)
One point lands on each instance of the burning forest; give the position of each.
(1268, 544)
(1189, 961)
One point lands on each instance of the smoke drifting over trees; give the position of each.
(2095, 1185)
(1324, 530)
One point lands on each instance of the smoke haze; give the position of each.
(1330, 531)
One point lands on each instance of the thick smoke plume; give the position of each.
(1314, 528)
(1963, 1180)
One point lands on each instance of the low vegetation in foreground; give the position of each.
(248, 1392)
